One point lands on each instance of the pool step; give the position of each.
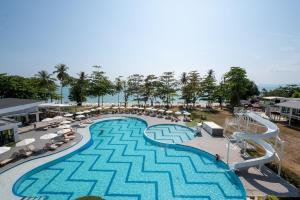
(33, 198)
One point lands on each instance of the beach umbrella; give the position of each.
(48, 136)
(153, 109)
(122, 107)
(25, 142)
(65, 126)
(58, 117)
(99, 108)
(86, 111)
(4, 149)
(80, 116)
(187, 113)
(106, 107)
(79, 113)
(63, 131)
(47, 120)
(141, 108)
(68, 115)
(169, 111)
(65, 122)
(149, 108)
(115, 107)
(135, 107)
(161, 110)
(178, 113)
(93, 110)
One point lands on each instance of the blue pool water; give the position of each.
(170, 133)
(120, 163)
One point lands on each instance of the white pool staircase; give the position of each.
(270, 152)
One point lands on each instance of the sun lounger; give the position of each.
(70, 137)
(25, 153)
(49, 146)
(32, 149)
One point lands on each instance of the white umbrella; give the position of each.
(141, 108)
(106, 107)
(92, 110)
(169, 111)
(68, 115)
(153, 109)
(80, 116)
(58, 117)
(161, 110)
(86, 111)
(149, 108)
(122, 107)
(48, 136)
(115, 107)
(47, 120)
(65, 122)
(65, 126)
(177, 113)
(187, 113)
(135, 107)
(4, 149)
(79, 113)
(63, 131)
(99, 108)
(25, 142)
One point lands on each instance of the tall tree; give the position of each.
(167, 87)
(99, 84)
(47, 83)
(63, 76)
(125, 91)
(79, 88)
(209, 86)
(191, 88)
(135, 86)
(118, 87)
(149, 88)
(238, 86)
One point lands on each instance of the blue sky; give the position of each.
(149, 37)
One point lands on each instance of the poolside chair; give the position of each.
(70, 137)
(12, 158)
(32, 148)
(25, 153)
(49, 146)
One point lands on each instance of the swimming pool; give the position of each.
(170, 133)
(120, 163)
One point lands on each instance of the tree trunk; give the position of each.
(119, 99)
(98, 101)
(61, 96)
(102, 100)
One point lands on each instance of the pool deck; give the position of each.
(256, 183)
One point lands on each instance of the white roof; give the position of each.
(290, 104)
(212, 124)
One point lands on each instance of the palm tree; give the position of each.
(62, 76)
(118, 87)
(46, 82)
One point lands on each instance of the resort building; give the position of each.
(8, 131)
(21, 110)
(290, 109)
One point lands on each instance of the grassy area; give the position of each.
(291, 161)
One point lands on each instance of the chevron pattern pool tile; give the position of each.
(121, 164)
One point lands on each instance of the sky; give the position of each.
(152, 36)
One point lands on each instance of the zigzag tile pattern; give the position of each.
(170, 133)
(121, 164)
